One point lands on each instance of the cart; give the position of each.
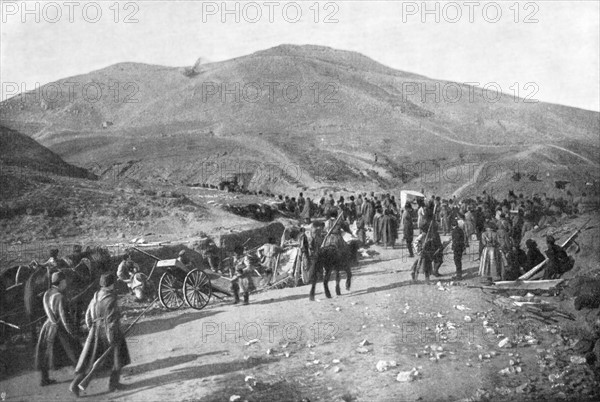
(180, 284)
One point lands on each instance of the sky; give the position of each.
(546, 50)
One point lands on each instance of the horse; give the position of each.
(331, 258)
(82, 283)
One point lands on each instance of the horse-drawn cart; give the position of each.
(181, 284)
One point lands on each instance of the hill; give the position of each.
(201, 124)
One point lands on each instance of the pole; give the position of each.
(98, 363)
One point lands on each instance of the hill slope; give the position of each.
(236, 116)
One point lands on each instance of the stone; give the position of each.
(362, 350)
(364, 343)
(407, 376)
(235, 398)
(504, 343)
(337, 369)
(577, 360)
(467, 318)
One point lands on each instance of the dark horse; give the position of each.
(331, 258)
(82, 282)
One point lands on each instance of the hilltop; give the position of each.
(203, 123)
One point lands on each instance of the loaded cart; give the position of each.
(181, 284)
(178, 284)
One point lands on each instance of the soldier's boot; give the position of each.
(74, 387)
(236, 298)
(113, 381)
(45, 380)
(246, 298)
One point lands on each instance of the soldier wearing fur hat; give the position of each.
(57, 345)
(103, 319)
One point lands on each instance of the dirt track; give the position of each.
(191, 355)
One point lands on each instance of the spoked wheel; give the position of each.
(170, 291)
(197, 289)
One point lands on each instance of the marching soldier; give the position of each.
(103, 319)
(57, 345)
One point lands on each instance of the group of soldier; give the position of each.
(484, 218)
(58, 344)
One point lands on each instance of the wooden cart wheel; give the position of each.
(170, 291)
(197, 289)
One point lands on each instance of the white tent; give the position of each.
(409, 195)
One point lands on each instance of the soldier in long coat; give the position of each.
(388, 229)
(103, 319)
(491, 263)
(408, 228)
(302, 263)
(57, 345)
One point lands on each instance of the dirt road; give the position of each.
(294, 349)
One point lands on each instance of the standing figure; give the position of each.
(361, 231)
(268, 254)
(458, 248)
(242, 276)
(306, 213)
(491, 262)
(438, 247)
(302, 263)
(57, 345)
(103, 319)
(407, 228)
(334, 227)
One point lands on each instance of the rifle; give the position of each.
(331, 228)
(98, 363)
(566, 244)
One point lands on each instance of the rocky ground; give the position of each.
(388, 339)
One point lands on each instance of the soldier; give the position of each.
(407, 228)
(268, 253)
(57, 345)
(103, 319)
(458, 247)
(242, 276)
(302, 263)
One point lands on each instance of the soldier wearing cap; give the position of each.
(103, 319)
(57, 345)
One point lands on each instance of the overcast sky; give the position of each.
(554, 44)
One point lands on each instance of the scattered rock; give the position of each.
(407, 376)
(364, 343)
(235, 398)
(468, 318)
(362, 350)
(251, 342)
